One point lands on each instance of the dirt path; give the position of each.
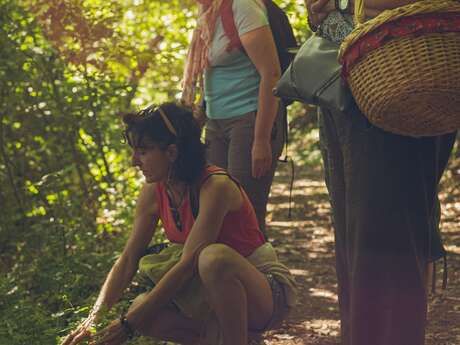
(305, 244)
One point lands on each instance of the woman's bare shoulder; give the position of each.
(147, 200)
(223, 187)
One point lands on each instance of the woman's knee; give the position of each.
(216, 261)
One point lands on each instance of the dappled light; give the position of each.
(324, 293)
(68, 71)
(453, 249)
(299, 272)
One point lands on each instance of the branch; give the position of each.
(10, 173)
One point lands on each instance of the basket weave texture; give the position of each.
(410, 85)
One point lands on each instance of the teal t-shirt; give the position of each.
(231, 83)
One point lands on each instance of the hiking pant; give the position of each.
(229, 146)
(385, 210)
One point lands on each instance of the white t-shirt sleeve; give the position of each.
(249, 15)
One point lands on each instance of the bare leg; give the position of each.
(239, 294)
(170, 325)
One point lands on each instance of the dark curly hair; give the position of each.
(148, 126)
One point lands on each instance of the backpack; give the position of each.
(283, 34)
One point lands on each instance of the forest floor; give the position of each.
(305, 243)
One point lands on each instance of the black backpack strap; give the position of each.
(195, 200)
(287, 158)
(282, 31)
(285, 132)
(155, 248)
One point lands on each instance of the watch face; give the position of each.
(343, 5)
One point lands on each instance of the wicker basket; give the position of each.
(410, 85)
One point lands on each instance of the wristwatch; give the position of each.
(342, 5)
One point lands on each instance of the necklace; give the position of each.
(176, 202)
(173, 206)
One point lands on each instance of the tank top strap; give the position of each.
(209, 171)
(212, 170)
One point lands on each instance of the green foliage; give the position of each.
(67, 70)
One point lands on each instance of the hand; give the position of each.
(318, 10)
(261, 157)
(113, 334)
(82, 332)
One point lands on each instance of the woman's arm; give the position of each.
(125, 267)
(261, 49)
(218, 196)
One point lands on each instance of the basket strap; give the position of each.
(360, 15)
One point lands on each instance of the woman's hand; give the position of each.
(318, 10)
(82, 332)
(261, 157)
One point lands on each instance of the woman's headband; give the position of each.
(166, 121)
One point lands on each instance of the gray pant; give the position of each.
(384, 196)
(229, 144)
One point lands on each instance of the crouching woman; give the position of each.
(218, 279)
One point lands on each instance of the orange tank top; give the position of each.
(239, 230)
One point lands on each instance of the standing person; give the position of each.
(244, 130)
(219, 276)
(383, 190)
